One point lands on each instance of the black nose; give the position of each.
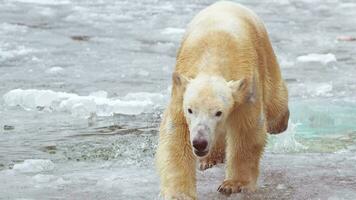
(200, 144)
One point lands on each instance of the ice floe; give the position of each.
(84, 106)
(315, 57)
(34, 166)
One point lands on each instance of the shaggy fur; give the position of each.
(229, 41)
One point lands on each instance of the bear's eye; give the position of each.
(190, 111)
(218, 114)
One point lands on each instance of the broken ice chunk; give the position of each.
(315, 57)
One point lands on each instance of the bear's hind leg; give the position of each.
(278, 124)
(277, 111)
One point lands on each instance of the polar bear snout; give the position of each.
(200, 141)
(200, 144)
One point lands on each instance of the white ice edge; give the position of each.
(84, 106)
(315, 57)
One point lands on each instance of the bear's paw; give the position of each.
(232, 186)
(178, 196)
(210, 161)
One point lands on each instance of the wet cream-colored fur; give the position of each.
(225, 63)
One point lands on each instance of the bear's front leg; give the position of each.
(176, 165)
(175, 162)
(243, 153)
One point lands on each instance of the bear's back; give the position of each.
(228, 17)
(221, 40)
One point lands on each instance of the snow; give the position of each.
(315, 57)
(83, 106)
(282, 177)
(34, 166)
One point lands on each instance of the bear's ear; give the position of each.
(238, 88)
(237, 85)
(180, 80)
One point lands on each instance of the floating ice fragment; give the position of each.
(54, 70)
(170, 30)
(314, 57)
(34, 166)
(30, 99)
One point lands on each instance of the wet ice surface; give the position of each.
(71, 72)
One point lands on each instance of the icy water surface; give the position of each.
(83, 85)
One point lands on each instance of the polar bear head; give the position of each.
(207, 102)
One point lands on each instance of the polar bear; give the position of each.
(227, 94)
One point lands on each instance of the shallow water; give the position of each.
(95, 77)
